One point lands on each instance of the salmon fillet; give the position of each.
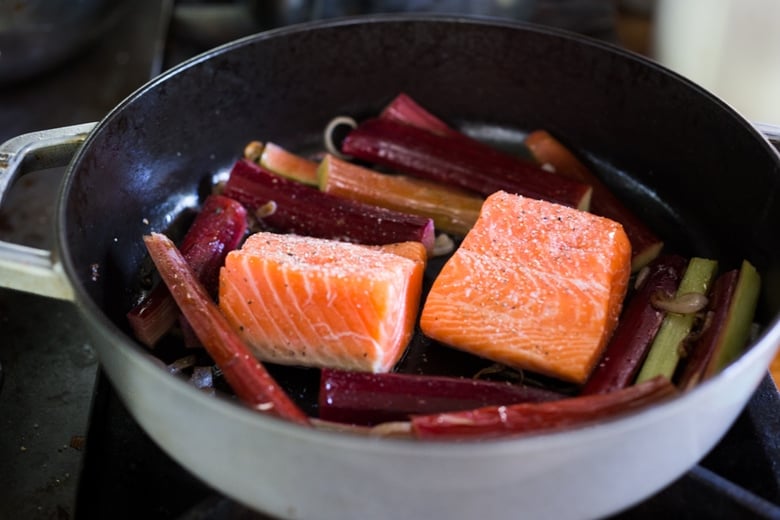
(534, 285)
(314, 302)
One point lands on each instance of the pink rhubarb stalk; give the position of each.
(404, 109)
(523, 418)
(246, 375)
(465, 163)
(218, 228)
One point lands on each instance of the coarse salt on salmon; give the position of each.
(534, 285)
(314, 302)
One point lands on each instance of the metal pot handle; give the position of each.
(25, 268)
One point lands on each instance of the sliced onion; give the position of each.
(253, 151)
(443, 245)
(266, 210)
(181, 364)
(334, 123)
(688, 303)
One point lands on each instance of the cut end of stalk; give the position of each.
(584, 203)
(406, 110)
(643, 254)
(153, 318)
(276, 159)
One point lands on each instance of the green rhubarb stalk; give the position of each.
(734, 298)
(740, 319)
(667, 347)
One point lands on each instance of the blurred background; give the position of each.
(731, 47)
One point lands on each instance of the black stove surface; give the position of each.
(94, 461)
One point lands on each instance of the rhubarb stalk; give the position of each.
(289, 206)
(368, 399)
(404, 109)
(246, 376)
(217, 229)
(497, 421)
(727, 327)
(637, 328)
(465, 163)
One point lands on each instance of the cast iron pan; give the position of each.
(623, 117)
(698, 173)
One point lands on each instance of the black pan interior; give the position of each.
(691, 167)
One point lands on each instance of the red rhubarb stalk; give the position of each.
(304, 210)
(246, 376)
(466, 163)
(638, 325)
(367, 399)
(217, 229)
(404, 109)
(497, 421)
(645, 245)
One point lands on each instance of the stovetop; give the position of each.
(70, 450)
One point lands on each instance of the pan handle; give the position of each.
(25, 268)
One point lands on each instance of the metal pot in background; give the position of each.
(36, 35)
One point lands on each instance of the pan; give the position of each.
(697, 172)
